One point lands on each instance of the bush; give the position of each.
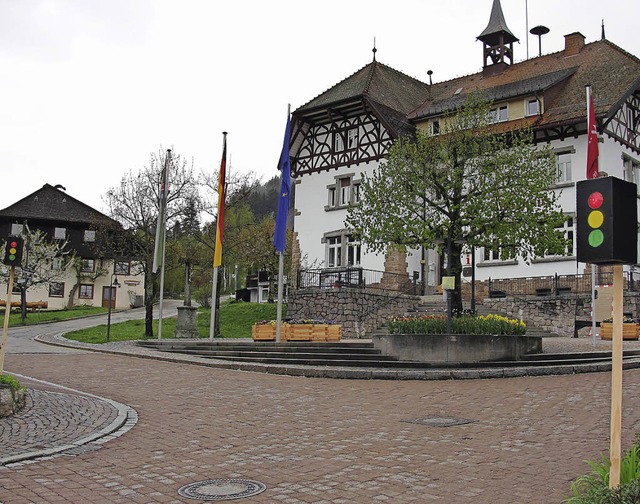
(465, 324)
(594, 487)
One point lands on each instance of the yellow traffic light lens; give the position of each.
(595, 219)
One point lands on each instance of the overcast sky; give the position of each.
(91, 87)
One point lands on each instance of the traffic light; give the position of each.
(606, 221)
(13, 252)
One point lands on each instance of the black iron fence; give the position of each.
(356, 278)
(557, 284)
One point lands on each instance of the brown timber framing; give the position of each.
(623, 124)
(315, 133)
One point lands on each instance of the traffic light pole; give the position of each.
(616, 378)
(7, 311)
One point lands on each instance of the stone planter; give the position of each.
(457, 348)
(11, 402)
(629, 331)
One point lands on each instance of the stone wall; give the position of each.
(359, 312)
(556, 314)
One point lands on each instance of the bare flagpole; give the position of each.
(161, 234)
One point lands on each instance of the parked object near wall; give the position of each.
(630, 331)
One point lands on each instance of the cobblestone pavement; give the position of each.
(316, 440)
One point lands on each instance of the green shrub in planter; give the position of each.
(465, 324)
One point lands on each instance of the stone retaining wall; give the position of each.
(556, 314)
(359, 312)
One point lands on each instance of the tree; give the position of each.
(45, 262)
(469, 186)
(134, 204)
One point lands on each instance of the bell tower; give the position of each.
(497, 41)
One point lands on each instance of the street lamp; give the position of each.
(113, 284)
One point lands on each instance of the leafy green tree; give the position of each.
(135, 204)
(469, 186)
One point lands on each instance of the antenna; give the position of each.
(374, 49)
(539, 31)
(430, 73)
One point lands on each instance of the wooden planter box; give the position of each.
(334, 332)
(266, 332)
(629, 331)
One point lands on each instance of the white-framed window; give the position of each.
(498, 114)
(332, 197)
(435, 127)
(334, 251)
(89, 236)
(563, 166)
(17, 229)
(491, 254)
(532, 107)
(352, 138)
(354, 251)
(88, 265)
(60, 233)
(86, 291)
(345, 139)
(631, 170)
(345, 191)
(57, 263)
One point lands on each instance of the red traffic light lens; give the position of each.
(595, 200)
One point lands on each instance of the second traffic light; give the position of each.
(606, 221)
(13, 251)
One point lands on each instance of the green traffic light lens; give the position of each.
(596, 238)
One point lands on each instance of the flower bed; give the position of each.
(466, 324)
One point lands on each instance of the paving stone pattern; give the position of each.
(316, 440)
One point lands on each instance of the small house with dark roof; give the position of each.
(79, 230)
(346, 132)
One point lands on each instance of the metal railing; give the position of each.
(555, 284)
(356, 278)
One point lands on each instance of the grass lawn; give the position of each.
(236, 319)
(39, 317)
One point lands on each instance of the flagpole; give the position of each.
(281, 252)
(593, 266)
(217, 252)
(161, 235)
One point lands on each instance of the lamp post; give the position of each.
(112, 285)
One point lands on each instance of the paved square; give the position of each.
(312, 440)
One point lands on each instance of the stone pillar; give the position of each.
(186, 324)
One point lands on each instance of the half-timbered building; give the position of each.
(348, 129)
(97, 279)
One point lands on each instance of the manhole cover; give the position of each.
(436, 421)
(222, 489)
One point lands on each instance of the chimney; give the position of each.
(573, 43)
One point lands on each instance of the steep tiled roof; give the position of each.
(612, 72)
(376, 82)
(52, 204)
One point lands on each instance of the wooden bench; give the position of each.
(31, 305)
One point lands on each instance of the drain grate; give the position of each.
(222, 489)
(438, 421)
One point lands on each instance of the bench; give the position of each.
(31, 305)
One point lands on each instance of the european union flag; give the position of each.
(280, 235)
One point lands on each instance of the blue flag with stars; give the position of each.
(280, 235)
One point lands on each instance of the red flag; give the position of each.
(592, 135)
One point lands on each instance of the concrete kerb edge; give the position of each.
(124, 412)
(347, 373)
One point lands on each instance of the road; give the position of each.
(316, 440)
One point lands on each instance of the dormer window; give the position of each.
(498, 114)
(532, 107)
